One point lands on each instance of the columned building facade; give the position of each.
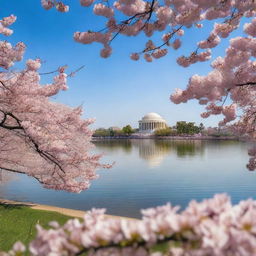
(151, 122)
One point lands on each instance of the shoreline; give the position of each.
(152, 137)
(64, 211)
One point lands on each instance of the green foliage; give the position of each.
(165, 132)
(101, 132)
(127, 130)
(18, 223)
(188, 128)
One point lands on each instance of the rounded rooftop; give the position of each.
(152, 116)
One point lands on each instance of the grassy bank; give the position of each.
(17, 222)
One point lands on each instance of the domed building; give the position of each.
(151, 122)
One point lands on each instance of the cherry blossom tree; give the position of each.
(43, 139)
(233, 77)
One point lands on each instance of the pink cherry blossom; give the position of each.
(47, 4)
(106, 51)
(176, 44)
(180, 32)
(159, 53)
(103, 10)
(250, 28)
(86, 2)
(62, 7)
(148, 57)
(212, 41)
(135, 56)
(5, 23)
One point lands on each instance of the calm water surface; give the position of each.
(150, 173)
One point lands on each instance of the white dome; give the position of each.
(152, 116)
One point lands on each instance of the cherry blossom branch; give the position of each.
(62, 68)
(8, 126)
(21, 172)
(5, 86)
(170, 35)
(72, 73)
(244, 84)
(11, 170)
(150, 14)
(45, 155)
(224, 101)
(49, 73)
(128, 21)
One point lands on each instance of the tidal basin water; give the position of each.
(149, 173)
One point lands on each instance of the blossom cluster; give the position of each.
(212, 41)
(60, 6)
(193, 58)
(89, 37)
(103, 10)
(9, 54)
(5, 23)
(212, 227)
(140, 16)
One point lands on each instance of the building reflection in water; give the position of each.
(151, 151)
(155, 151)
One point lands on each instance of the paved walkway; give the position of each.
(64, 211)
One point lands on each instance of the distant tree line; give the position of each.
(114, 132)
(168, 131)
(181, 128)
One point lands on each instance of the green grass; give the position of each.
(17, 222)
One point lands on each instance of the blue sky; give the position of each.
(116, 91)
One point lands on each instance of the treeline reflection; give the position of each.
(154, 151)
